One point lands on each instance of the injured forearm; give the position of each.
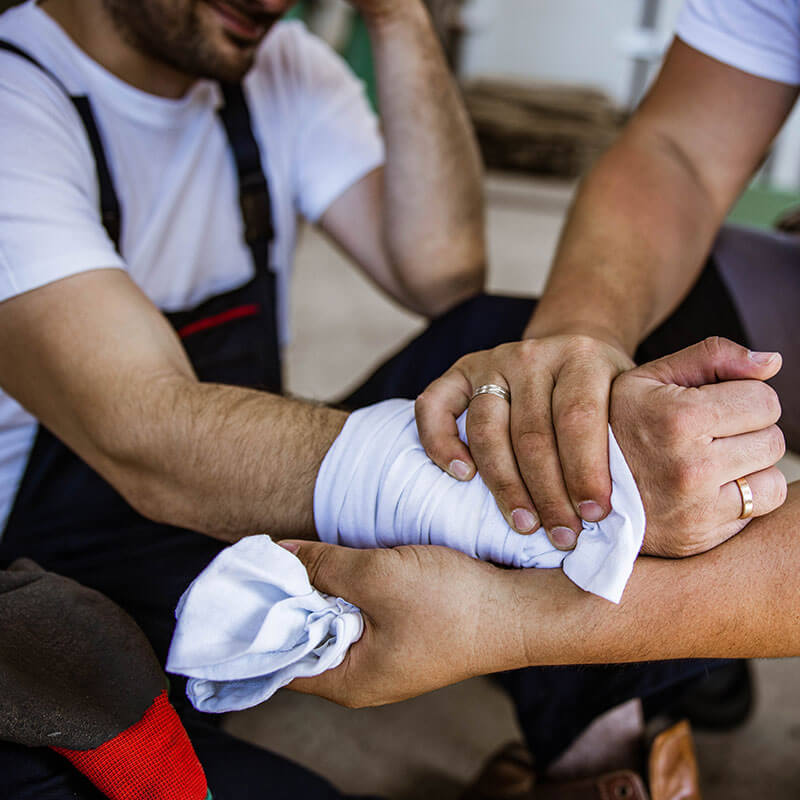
(377, 487)
(230, 461)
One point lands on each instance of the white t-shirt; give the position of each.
(173, 173)
(761, 37)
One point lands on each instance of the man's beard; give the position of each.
(176, 33)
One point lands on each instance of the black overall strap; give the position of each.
(110, 214)
(254, 198)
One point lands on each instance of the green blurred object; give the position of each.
(298, 11)
(759, 206)
(357, 51)
(358, 54)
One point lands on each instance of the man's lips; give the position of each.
(237, 22)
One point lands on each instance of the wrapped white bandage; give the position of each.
(251, 622)
(378, 488)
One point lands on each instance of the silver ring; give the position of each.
(492, 388)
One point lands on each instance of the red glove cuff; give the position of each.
(152, 759)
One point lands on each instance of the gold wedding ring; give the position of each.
(492, 388)
(747, 498)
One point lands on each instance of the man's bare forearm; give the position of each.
(108, 375)
(633, 244)
(647, 213)
(739, 600)
(433, 213)
(227, 461)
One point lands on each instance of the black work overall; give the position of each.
(71, 521)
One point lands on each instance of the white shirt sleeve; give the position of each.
(338, 140)
(761, 37)
(49, 218)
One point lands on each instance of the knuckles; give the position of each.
(776, 443)
(679, 421)
(689, 474)
(578, 415)
(530, 444)
(782, 490)
(717, 348)
(770, 401)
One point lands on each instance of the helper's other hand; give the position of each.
(545, 456)
(689, 425)
(422, 629)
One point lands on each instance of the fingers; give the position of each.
(437, 410)
(580, 416)
(712, 360)
(490, 443)
(739, 407)
(536, 451)
(747, 453)
(769, 492)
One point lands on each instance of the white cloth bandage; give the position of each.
(378, 488)
(251, 622)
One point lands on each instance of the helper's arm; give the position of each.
(740, 600)
(443, 617)
(645, 216)
(99, 365)
(635, 240)
(417, 225)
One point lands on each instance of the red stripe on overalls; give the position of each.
(248, 310)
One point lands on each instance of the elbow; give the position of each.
(146, 492)
(451, 284)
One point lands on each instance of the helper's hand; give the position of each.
(422, 629)
(691, 423)
(544, 457)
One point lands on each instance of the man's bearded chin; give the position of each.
(186, 35)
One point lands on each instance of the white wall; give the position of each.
(564, 41)
(589, 42)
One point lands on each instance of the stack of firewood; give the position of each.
(542, 129)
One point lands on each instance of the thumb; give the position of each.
(713, 360)
(328, 565)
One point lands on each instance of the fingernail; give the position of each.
(292, 547)
(762, 358)
(460, 470)
(523, 520)
(590, 511)
(563, 538)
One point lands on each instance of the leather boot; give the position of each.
(671, 770)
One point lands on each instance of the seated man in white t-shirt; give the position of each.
(146, 228)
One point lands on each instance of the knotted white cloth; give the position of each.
(251, 622)
(378, 488)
